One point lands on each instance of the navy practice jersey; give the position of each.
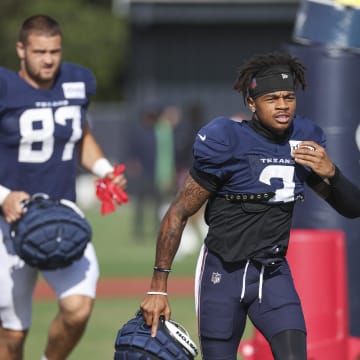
(243, 161)
(40, 131)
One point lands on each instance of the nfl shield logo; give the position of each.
(215, 277)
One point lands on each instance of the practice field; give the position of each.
(126, 267)
(109, 314)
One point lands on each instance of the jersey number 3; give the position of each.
(286, 174)
(37, 128)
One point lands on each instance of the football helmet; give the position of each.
(172, 341)
(51, 234)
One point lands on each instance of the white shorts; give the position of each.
(18, 280)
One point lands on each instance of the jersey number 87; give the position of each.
(44, 133)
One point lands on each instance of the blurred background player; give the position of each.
(43, 135)
(250, 174)
(151, 165)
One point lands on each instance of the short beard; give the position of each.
(41, 82)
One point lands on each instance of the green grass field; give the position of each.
(108, 316)
(119, 255)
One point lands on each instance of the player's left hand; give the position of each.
(315, 157)
(110, 190)
(118, 177)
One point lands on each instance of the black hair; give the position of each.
(40, 24)
(259, 63)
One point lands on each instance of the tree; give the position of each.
(93, 37)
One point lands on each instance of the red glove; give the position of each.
(108, 192)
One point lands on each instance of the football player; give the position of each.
(43, 135)
(250, 174)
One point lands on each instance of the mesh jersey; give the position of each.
(243, 161)
(40, 131)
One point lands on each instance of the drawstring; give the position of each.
(244, 281)
(261, 282)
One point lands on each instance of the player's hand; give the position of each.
(110, 190)
(13, 205)
(315, 157)
(118, 177)
(152, 307)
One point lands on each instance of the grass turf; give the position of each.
(119, 254)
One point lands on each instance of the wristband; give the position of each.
(4, 192)
(157, 293)
(102, 167)
(162, 269)
(336, 176)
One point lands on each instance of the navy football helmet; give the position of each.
(172, 341)
(51, 234)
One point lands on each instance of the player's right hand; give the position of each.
(152, 307)
(13, 207)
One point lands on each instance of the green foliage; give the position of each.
(93, 37)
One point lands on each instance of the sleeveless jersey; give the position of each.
(245, 162)
(40, 131)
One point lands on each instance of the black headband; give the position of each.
(274, 78)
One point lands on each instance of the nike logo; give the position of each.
(202, 137)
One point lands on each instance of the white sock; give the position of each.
(44, 358)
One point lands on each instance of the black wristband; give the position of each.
(156, 268)
(336, 176)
